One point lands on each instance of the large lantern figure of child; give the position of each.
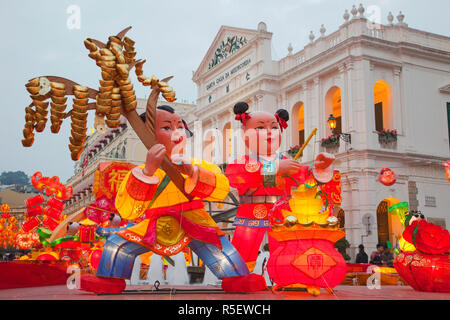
(169, 220)
(264, 178)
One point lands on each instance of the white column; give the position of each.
(397, 106)
(309, 123)
(349, 95)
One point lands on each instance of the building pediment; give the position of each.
(445, 89)
(227, 42)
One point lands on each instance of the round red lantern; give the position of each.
(307, 257)
(94, 258)
(424, 272)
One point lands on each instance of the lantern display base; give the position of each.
(424, 272)
(308, 258)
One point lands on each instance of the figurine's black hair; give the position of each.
(240, 107)
(283, 114)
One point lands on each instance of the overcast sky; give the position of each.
(173, 35)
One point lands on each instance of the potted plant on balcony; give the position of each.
(387, 135)
(293, 151)
(330, 142)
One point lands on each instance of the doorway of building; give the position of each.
(389, 226)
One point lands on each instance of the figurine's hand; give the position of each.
(155, 156)
(324, 160)
(288, 167)
(183, 164)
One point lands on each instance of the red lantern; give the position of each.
(87, 233)
(307, 257)
(94, 258)
(35, 211)
(31, 224)
(387, 177)
(50, 223)
(424, 272)
(53, 213)
(54, 203)
(34, 201)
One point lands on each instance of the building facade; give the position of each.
(370, 77)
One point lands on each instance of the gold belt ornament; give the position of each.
(168, 231)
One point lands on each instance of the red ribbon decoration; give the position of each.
(243, 117)
(281, 121)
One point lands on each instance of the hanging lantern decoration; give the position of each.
(31, 224)
(387, 177)
(51, 186)
(34, 201)
(447, 169)
(50, 223)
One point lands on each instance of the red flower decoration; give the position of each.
(243, 117)
(281, 121)
(428, 237)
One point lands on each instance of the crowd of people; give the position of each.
(381, 256)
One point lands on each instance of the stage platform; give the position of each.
(145, 292)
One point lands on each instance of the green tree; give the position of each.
(14, 177)
(342, 246)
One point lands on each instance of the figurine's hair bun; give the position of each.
(240, 107)
(283, 114)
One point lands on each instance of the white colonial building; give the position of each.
(370, 77)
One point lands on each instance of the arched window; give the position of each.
(333, 106)
(383, 222)
(298, 124)
(382, 105)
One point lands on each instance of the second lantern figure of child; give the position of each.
(263, 177)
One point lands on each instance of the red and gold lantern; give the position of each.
(424, 272)
(307, 257)
(34, 201)
(35, 211)
(86, 233)
(31, 224)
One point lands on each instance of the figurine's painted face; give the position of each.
(262, 134)
(170, 132)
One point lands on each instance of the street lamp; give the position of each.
(332, 124)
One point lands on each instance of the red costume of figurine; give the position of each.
(263, 178)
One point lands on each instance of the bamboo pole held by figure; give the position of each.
(304, 144)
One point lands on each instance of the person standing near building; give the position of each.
(375, 257)
(362, 256)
